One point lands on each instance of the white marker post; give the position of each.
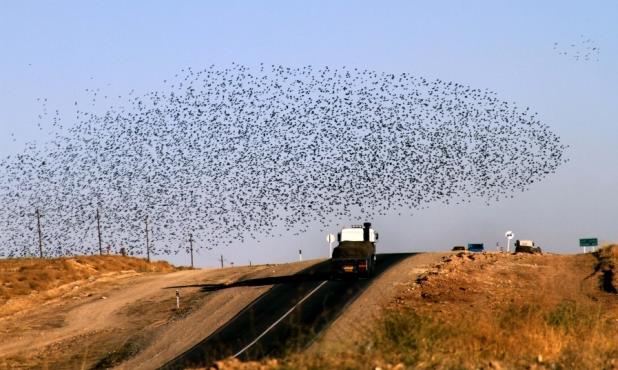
(508, 235)
(300, 255)
(330, 238)
(177, 299)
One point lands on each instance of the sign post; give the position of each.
(508, 235)
(330, 238)
(588, 242)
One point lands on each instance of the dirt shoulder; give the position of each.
(126, 319)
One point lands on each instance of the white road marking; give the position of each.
(280, 319)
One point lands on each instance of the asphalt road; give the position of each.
(286, 318)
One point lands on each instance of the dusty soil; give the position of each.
(124, 319)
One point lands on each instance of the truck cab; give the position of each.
(355, 254)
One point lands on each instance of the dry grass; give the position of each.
(565, 336)
(22, 276)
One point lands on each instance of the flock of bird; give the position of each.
(584, 49)
(226, 154)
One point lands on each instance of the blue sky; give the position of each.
(57, 50)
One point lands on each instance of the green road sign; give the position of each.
(588, 242)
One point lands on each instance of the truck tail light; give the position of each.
(362, 266)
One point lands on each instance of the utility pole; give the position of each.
(191, 248)
(99, 232)
(147, 241)
(221, 261)
(38, 223)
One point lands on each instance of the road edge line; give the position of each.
(280, 319)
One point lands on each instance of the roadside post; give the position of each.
(588, 242)
(330, 238)
(508, 235)
(177, 299)
(300, 255)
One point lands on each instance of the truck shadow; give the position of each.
(287, 279)
(319, 272)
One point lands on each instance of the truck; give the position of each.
(355, 254)
(526, 246)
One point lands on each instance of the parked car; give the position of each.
(526, 246)
(476, 247)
